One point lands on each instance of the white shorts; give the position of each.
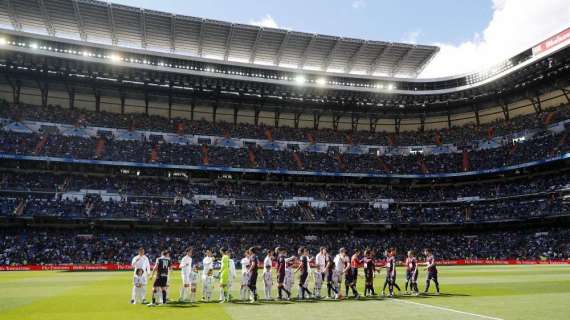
(318, 279)
(185, 278)
(245, 279)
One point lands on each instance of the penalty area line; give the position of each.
(446, 309)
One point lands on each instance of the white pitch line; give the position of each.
(446, 309)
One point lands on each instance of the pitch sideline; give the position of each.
(446, 309)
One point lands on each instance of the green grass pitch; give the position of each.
(469, 292)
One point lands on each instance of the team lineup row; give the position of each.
(322, 268)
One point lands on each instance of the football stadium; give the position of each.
(161, 165)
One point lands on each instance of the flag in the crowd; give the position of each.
(513, 149)
(80, 122)
(298, 160)
(466, 162)
(392, 139)
(562, 140)
(226, 134)
(205, 160)
(548, 118)
(19, 210)
(349, 138)
(490, 133)
(100, 147)
(269, 134)
(40, 145)
(437, 138)
(180, 128)
(154, 154)
(311, 138)
(340, 161)
(251, 155)
(423, 166)
(384, 165)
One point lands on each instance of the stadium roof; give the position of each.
(123, 26)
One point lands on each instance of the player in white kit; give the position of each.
(140, 261)
(341, 264)
(194, 276)
(139, 287)
(244, 290)
(185, 271)
(320, 270)
(207, 265)
(268, 282)
(208, 286)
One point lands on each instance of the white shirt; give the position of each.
(139, 280)
(141, 262)
(207, 264)
(232, 268)
(320, 261)
(244, 265)
(267, 262)
(339, 263)
(267, 279)
(186, 265)
(194, 278)
(208, 282)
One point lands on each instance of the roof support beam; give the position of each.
(352, 60)
(398, 65)
(173, 33)
(13, 17)
(331, 54)
(114, 39)
(423, 63)
(376, 62)
(228, 43)
(255, 44)
(79, 19)
(282, 46)
(306, 52)
(201, 37)
(143, 29)
(46, 17)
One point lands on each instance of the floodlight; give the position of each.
(391, 87)
(3, 41)
(300, 79)
(115, 57)
(33, 46)
(321, 81)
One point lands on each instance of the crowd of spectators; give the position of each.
(458, 135)
(540, 147)
(176, 211)
(51, 246)
(130, 185)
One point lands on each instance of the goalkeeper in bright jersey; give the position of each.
(224, 276)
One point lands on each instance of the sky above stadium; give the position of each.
(472, 34)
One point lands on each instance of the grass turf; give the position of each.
(482, 292)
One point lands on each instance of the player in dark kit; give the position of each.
(352, 274)
(391, 272)
(412, 272)
(369, 269)
(252, 284)
(331, 286)
(281, 266)
(304, 269)
(431, 271)
(162, 267)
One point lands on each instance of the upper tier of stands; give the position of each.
(458, 135)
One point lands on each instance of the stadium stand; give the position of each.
(113, 138)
